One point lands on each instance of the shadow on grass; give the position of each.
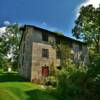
(11, 77)
(39, 95)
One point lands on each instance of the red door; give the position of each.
(45, 71)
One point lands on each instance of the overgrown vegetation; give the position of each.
(80, 83)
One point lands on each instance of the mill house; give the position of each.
(37, 54)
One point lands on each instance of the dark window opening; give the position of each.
(45, 53)
(44, 36)
(70, 44)
(58, 54)
(57, 41)
(59, 67)
(45, 71)
(80, 47)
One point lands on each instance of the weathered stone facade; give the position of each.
(31, 60)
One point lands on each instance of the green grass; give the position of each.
(14, 87)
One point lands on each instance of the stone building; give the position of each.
(37, 54)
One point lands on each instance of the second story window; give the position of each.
(57, 40)
(45, 53)
(80, 47)
(58, 54)
(44, 36)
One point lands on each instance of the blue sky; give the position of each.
(54, 15)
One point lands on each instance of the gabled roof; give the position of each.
(50, 32)
(55, 33)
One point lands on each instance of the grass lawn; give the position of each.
(13, 87)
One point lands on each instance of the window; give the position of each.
(70, 44)
(58, 54)
(76, 48)
(44, 36)
(59, 67)
(80, 47)
(45, 53)
(57, 40)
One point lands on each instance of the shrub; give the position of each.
(80, 83)
(69, 84)
(51, 81)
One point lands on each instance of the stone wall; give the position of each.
(38, 61)
(25, 58)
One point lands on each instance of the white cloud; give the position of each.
(6, 23)
(44, 24)
(95, 3)
(2, 30)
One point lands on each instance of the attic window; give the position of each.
(44, 36)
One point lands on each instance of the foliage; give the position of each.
(52, 69)
(1, 53)
(87, 26)
(9, 45)
(80, 83)
(67, 89)
(64, 51)
(59, 33)
(51, 81)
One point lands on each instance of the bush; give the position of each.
(51, 81)
(69, 85)
(80, 84)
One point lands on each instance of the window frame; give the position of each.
(57, 40)
(58, 54)
(45, 53)
(45, 36)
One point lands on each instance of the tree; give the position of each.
(87, 26)
(10, 44)
(2, 53)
